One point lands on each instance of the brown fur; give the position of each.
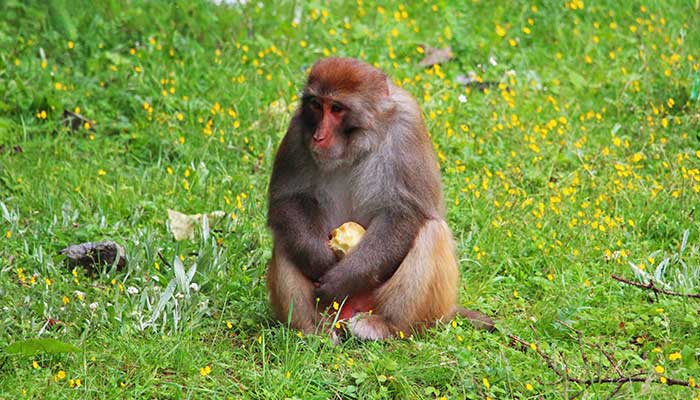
(337, 76)
(290, 290)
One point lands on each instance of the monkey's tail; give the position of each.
(478, 319)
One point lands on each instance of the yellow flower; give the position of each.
(529, 387)
(71, 44)
(59, 375)
(101, 172)
(35, 364)
(674, 356)
(204, 371)
(500, 31)
(486, 383)
(659, 369)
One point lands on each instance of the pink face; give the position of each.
(327, 116)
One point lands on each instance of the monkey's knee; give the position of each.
(367, 326)
(291, 294)
(424, 287)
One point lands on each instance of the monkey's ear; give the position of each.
(383, 88)
(387, 84)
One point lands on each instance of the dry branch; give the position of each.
(621, 378)
(651, 286)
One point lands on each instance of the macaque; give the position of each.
(357, 149)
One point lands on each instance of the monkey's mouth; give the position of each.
(331, 152)
(327, 157)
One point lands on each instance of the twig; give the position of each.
(620, 380)
(616, 390)
(612, 362)
(654, 288)
(162, 258)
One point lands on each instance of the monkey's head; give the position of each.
(340, 109)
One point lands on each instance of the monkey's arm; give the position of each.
(297, 224)
(388, 239)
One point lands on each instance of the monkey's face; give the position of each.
(329, 130)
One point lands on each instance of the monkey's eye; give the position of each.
(336, 108)
(314, 104)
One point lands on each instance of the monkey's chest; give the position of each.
(337, 194)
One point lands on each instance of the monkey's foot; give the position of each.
(369, 327)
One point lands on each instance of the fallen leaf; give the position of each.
(435, 56)
(182, 226)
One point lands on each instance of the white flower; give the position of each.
(462, 98)
(194, 287)
(492, 61)
(93, 306)
(132, 290)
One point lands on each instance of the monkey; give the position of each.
(357, 149)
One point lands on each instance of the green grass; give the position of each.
(585, 159)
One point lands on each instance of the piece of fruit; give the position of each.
(345, 237)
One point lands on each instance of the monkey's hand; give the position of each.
(318, 261)
(335, 285)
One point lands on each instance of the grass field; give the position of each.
(581, 159)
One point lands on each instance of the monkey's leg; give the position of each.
(422, 290)
(290, 289)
